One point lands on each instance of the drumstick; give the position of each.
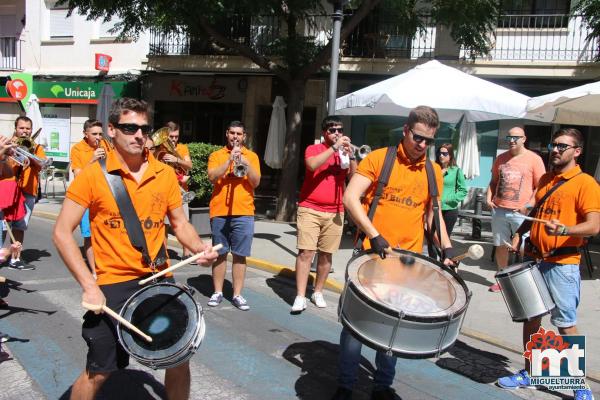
(528, 218)
(12, 238)
(179, 264)
(116, 316)
(475, 252)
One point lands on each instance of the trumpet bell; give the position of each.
(363, 151)
(187, 196)
(240, 170)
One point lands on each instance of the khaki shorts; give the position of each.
(319, 230)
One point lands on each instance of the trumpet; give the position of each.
(362, 151)
(187, 196)
(21, 156)
(240, 170)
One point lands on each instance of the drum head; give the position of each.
(168, 314)
(409, 283)
(513, 269)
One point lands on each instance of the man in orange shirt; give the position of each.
(28, 179)
(154, 193)
(231, 210)
(84, 153)
(573, 213)
(405, 198)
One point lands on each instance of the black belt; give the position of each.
(559, 251)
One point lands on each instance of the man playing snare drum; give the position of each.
(573, 212)
(398, 222)
(154, 193)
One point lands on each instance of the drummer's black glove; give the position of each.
(379, 245)
(450, 253)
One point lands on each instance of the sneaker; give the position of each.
(317, 298)
(4, 337)
(518, 380)
(342, 393)
(384, 394)
(299, 304)
(495, 288)
(20, 265)
(215, 299)
(240, 303)
(583, 394)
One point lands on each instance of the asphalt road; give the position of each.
(264, 353)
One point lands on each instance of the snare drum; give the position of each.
(168, 313)
(525, 291)
(406, 304)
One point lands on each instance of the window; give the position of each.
(105, 28)
(8, 41)
(61, 26)
(535, 14)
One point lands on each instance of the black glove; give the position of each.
(379, 245)
(450, 252)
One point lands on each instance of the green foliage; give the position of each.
(470, 22)
(590, 9)
(199, 182)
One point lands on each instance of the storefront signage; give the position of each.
(79, 92)
(57, 127)
(196, 89)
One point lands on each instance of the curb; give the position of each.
(338, 287)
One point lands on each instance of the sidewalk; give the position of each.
(487, 319)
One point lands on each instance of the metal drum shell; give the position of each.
(412, 336)
(181, 351)
(525, 291)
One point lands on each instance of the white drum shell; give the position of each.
(383, 328)
(525, 291)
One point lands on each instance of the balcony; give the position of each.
(557, 37)
(10, 53)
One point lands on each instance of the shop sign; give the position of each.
(78, 92)
(57, 126)
(201, 89)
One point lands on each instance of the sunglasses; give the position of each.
(420, 138)
(560, 147)
(131, 129)
(443, 153)
(514, 138)
(334, 130)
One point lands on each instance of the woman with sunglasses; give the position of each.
(455, 187)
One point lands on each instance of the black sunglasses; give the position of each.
(334, 130)
(420, 138)
(560, 147)
(514, 138)
(131, 129)
(443, 153)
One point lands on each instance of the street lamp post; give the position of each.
(337, 17)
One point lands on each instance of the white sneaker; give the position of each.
(299, 304)
(317, 298)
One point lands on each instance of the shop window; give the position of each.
(534, 14)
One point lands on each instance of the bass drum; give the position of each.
(406, 304)
(169, 314)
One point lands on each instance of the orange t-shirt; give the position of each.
(399, 216)
(569, 204)
(232, 195)
(516, 178)
(156, 194)
(81, 155)
(182, 150)
(30, 177)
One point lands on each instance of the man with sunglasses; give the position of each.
(154, 193)
(320, 215)
(515, 175)
(231, 211)
(573, 213)
(404, 209)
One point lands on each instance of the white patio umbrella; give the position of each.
(276, 135)
(451, 92)
(579, 106)
(467, 156)
(33, 112)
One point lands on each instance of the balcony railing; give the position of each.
(10, 53)
(557, 37)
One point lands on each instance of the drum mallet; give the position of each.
(475, 252)
(179, 264)
(121, 320)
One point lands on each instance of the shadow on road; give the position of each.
(16, 310)
(128, 384)
(318, 363)
(472, 277)
(273, 239)
(33, 255)
(204, 284)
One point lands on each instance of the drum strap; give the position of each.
(130, 218)
(382, 181)
(432, 249)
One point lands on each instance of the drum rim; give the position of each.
(173, 359)
(407, 315)
(525, 265)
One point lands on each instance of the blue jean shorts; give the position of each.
(234, 233)
(84, 225)
(564, 283)
(504, 224)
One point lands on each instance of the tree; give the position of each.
(294, 57)
(590, 10)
